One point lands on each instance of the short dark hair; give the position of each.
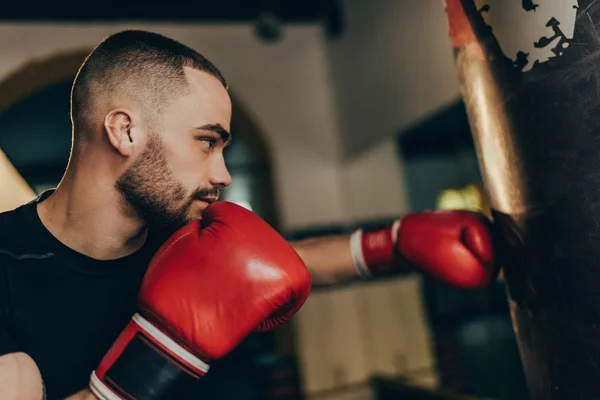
(146, 65)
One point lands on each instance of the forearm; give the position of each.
(20, 378)
(328, 258)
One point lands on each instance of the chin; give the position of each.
(195, 212)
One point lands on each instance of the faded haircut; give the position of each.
(144, 66)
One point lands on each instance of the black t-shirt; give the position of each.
(59, 306)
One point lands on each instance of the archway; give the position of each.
(35, 133)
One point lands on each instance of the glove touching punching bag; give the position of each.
(529, 73)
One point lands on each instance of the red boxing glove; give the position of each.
(208, 287)
(453, 246)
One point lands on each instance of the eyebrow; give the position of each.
(218, 129)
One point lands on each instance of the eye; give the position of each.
(208, 142)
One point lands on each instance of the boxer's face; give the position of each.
(182, 169)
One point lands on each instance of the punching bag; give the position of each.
(529, 72)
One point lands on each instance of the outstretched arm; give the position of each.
(328, 258)
(455, 247)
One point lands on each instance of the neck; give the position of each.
(86, 214)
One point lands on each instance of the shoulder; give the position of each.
(12, 228)
(18, 234)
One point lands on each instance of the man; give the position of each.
(150, 122)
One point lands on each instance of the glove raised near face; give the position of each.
(208, 287)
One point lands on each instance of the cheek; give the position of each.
(189, 165)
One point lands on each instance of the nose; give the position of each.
(219, 175)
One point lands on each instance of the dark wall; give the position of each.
(438, 153)
(35, 134)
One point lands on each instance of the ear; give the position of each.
(119, 124)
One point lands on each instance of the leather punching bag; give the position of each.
(529, 72)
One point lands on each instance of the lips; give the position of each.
(208, 200)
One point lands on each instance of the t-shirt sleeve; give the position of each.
(7, 344)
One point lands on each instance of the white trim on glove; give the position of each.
(170, 344)
(356, 249)
(357, 254)
(100, 390)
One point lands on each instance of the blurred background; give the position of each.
(347, 113)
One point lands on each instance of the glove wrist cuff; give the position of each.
(373, 252)
(144, 363)
(357, 254)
